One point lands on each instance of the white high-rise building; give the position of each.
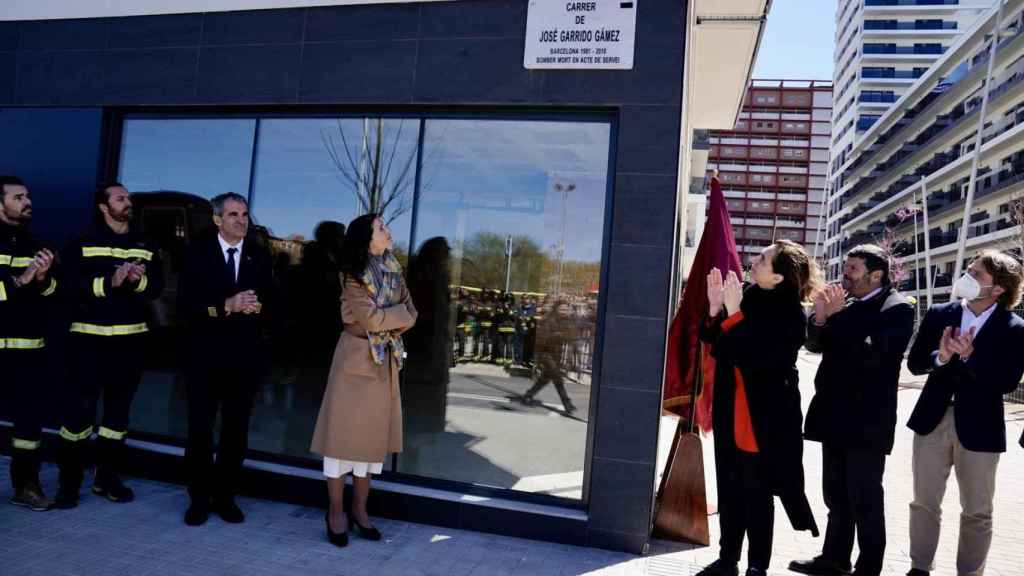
(882, 48)
(954, 138)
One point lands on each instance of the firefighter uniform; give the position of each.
(506, 324)
(22, 325)
(106, 352)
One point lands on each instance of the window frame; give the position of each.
(110, 157)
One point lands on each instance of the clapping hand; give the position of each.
(43, 261)
(733, 293)
(121, 274)
(716, 292)
(728, 293)
(830, 300)
(136, 273)
(37, 268)
(954, 341)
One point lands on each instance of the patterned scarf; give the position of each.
(383, 281)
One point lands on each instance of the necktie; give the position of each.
(231, 265)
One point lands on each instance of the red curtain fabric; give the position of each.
(717, 249)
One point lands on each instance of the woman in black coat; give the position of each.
(755, 336)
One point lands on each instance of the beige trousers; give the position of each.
(934, 455)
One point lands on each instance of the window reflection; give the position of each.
(497, 389)
(204, 157)
(313, 176)
(508, 237)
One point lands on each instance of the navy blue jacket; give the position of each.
(862, 346)
(976, 387)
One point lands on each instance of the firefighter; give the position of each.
(114, 274)
(506, 323)
(461, 312)
(26, 288)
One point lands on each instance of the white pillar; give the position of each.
(986, 90)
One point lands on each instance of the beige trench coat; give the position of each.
(361, 414)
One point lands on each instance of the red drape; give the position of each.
(717, 249)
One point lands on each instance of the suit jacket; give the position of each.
(862, 346)
(976, 387)
(203, 287)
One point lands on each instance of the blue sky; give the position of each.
(798, 41)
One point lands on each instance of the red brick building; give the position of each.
(773, 164)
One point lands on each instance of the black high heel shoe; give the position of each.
(339, 539)
(365, 533)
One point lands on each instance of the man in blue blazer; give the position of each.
(971, 350)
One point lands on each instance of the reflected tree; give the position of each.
(374, 163)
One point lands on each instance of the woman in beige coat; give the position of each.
(360, 419)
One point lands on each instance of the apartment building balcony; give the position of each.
(886, 25)
(935, 132)
(873, 3)
(934, 99)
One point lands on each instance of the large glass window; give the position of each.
(312, 177)
(511, 214)
(500, 223)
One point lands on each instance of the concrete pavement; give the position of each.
(148, 537)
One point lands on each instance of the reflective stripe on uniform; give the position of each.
(118, 330)
(143, 282)
(111, 434)
(70, 436)
(21, 343)
(97, 287)
(125, 254)
(14, 262)
(3, 291)
(21, 262)
(20, 444)
(51, 288)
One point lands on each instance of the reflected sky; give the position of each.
(205, 157)
(498, 176)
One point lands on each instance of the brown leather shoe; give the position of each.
(31, 496)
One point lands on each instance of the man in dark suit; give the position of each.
(862, 329)
(225, 292)
(971, 351)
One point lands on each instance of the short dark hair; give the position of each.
(218, 201)
(874, 257)
(102, 193)
(9, 181)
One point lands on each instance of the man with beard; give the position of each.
(113, 273)
(25, 288)
(862, 329)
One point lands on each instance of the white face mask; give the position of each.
(967, 287)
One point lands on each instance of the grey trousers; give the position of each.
(933, 457)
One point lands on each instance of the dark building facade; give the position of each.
(555, 191)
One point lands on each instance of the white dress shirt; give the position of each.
(238, 255)
(871, 295)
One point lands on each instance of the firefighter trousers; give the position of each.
(26, 401)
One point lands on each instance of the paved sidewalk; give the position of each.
(148, 538)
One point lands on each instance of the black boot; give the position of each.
(108, 483)
(72, 471)
(25, 478)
